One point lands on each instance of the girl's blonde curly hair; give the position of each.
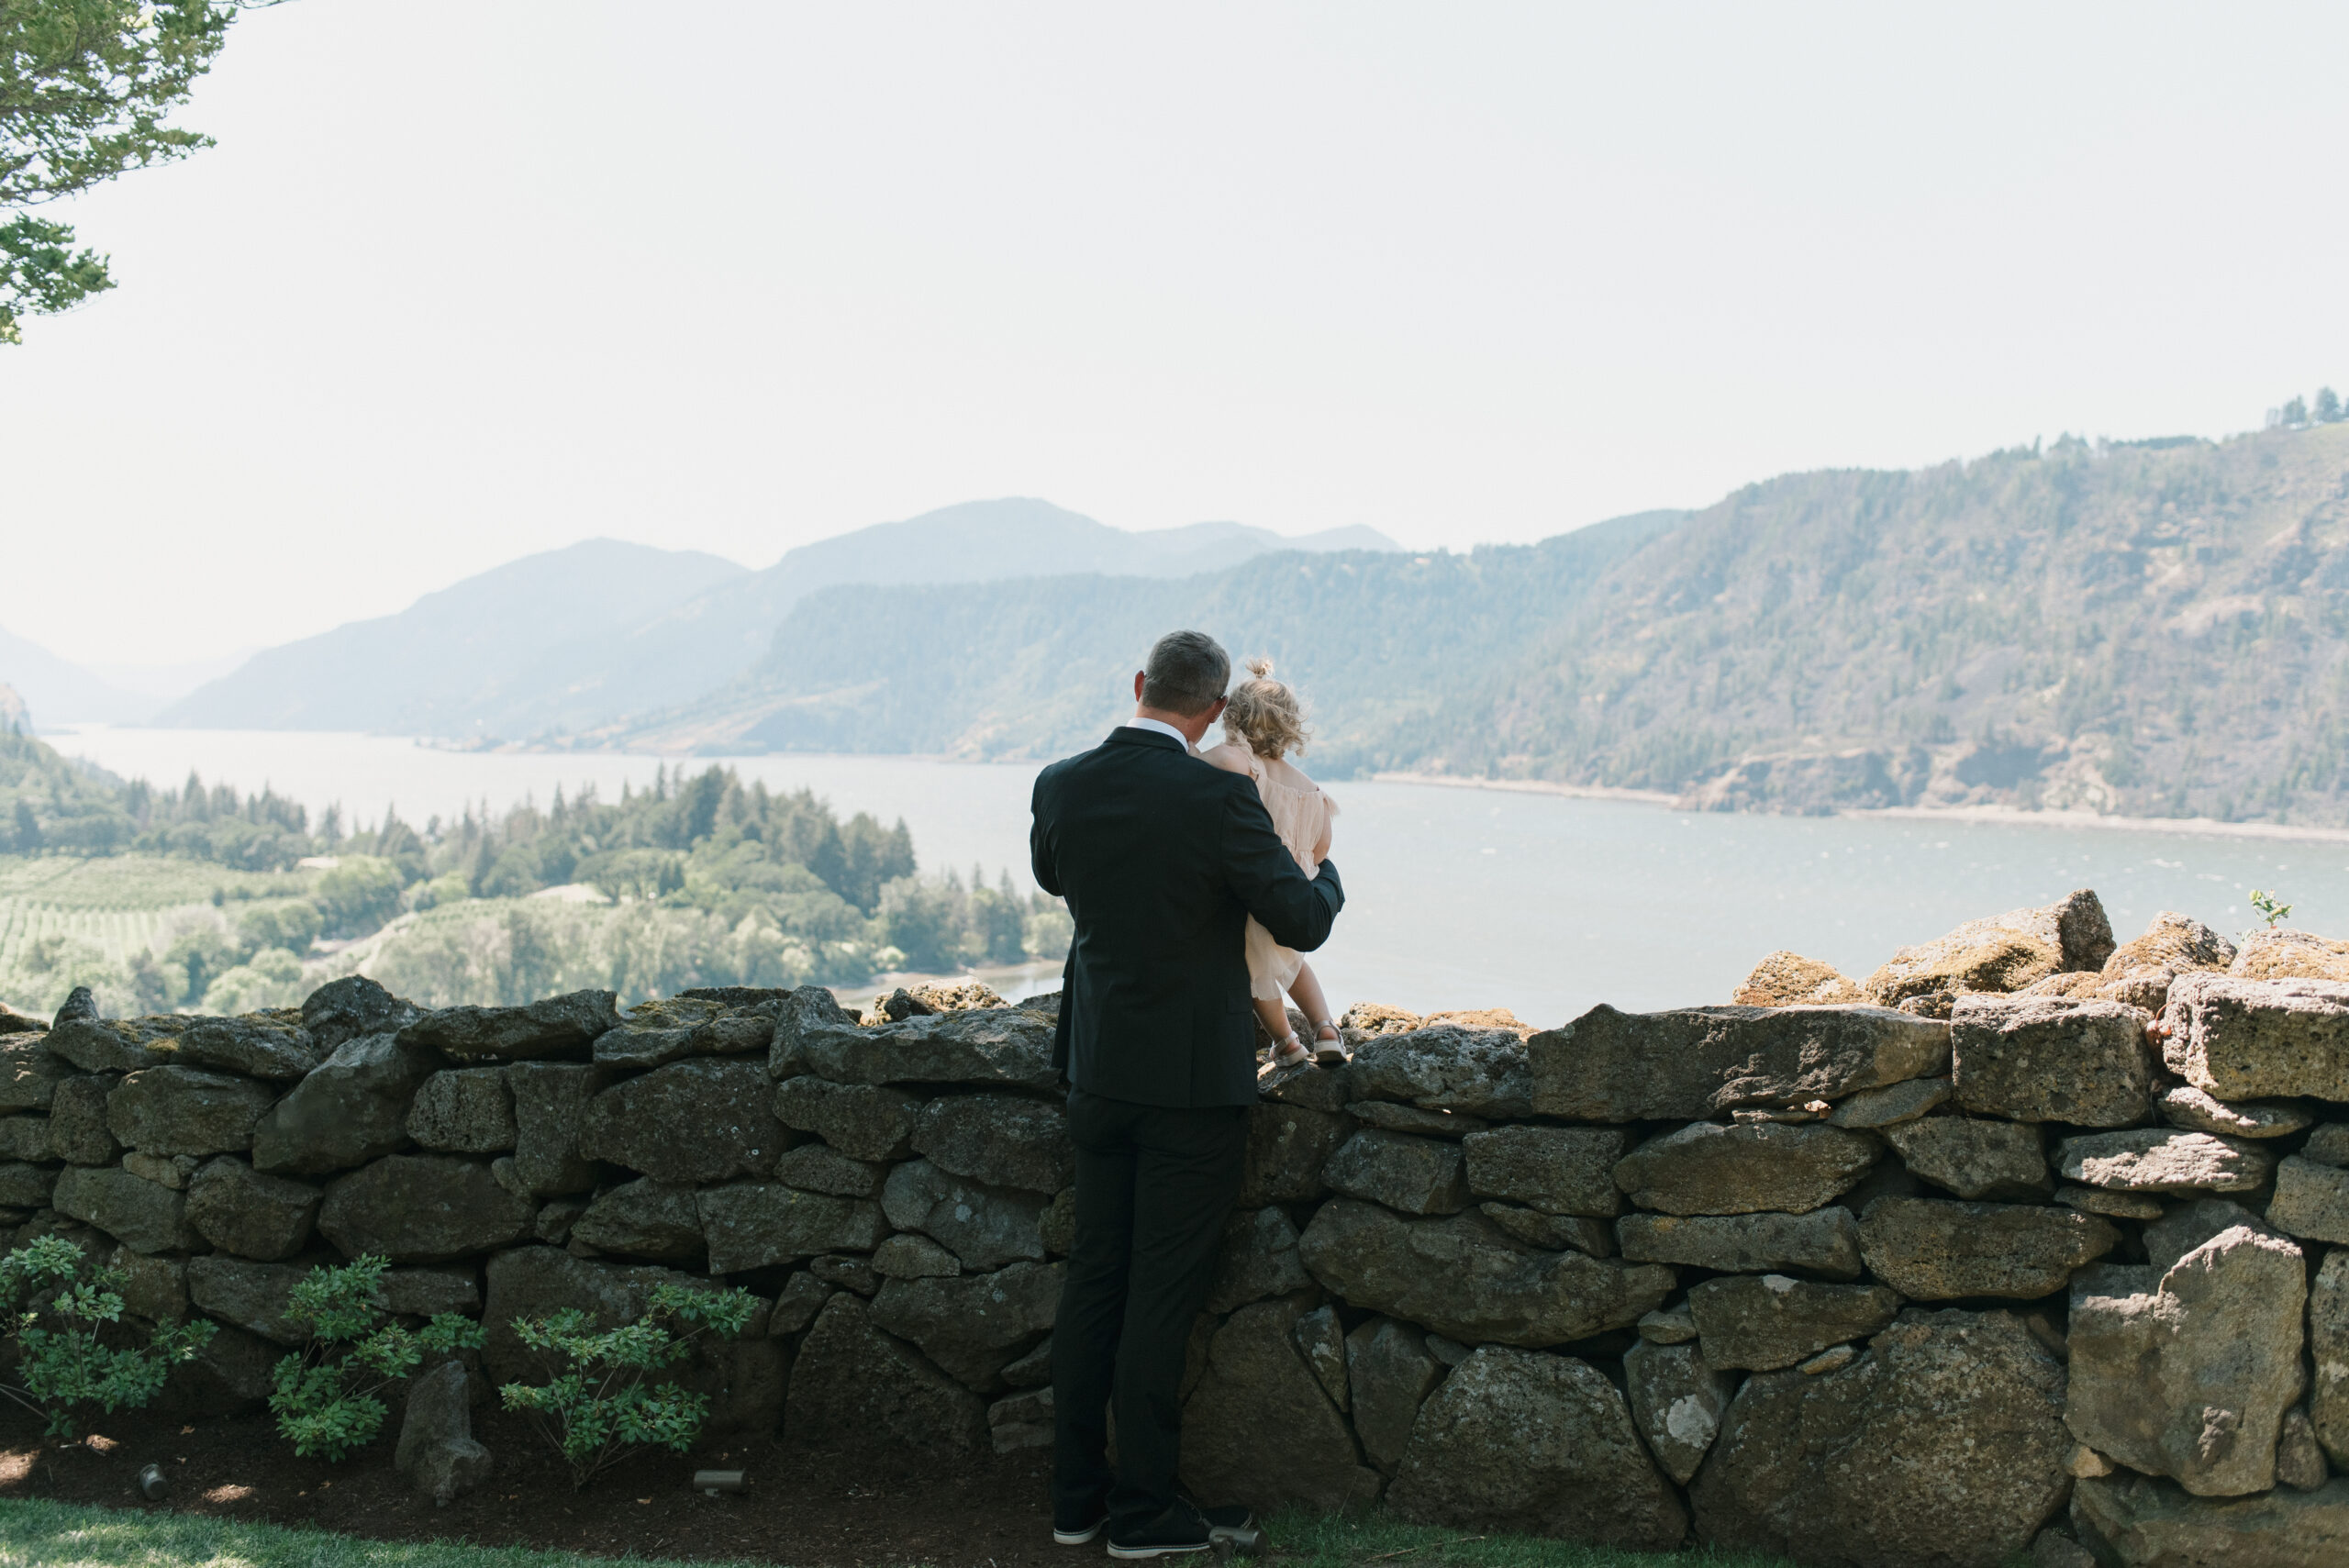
(1264, 715)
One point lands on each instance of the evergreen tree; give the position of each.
(85, 86)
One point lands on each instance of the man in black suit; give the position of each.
(1161, 858)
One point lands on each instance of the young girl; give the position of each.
(1261, 720)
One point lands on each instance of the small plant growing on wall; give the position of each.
(60, 1313)
(2269, 909)
(600, 1402)
(325, 1398)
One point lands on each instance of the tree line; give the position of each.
(700, 878)
(2297, 414)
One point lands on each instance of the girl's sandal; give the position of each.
(1287, 1051)
(1332, 1052)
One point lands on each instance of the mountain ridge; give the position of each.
(2155, 628)
(1039, 665)
(476, 636)
(2146, 629)
(58, 690)
(593, 632)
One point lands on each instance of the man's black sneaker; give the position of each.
(1179, 1529)
(1076, 1530)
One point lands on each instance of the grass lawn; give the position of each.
(1348, 1540)
(36, 1534)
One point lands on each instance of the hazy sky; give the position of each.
(466, 278)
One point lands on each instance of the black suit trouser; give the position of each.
(1155, 1185)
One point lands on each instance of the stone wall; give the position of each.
(1854, 1283)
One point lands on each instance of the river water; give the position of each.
(1457, 897)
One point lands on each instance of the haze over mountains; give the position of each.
(55, 689)
(2155, 628)
(1042, 665)
(585, 636)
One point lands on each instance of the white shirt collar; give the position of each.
(1161, 726)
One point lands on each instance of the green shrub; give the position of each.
(60, 1310)
(323, 1400)
(292, 924)
(270, 978)
(598, 1403)
(358, 895)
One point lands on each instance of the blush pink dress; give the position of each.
(1301, 813)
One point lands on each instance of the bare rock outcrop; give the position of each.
(1786, 979)
(2141, 971)
(2274, 954)
(2001, 952)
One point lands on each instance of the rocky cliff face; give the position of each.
(2154, 628)
(1852, 1282)
(2151, 629)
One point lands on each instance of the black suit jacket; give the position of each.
(1163, 858)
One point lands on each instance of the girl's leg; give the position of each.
(1287, 1051)
(1309, 1000)
(1329, 1048)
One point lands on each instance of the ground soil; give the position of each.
(809, 1508)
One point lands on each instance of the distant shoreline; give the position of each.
(2009, 816)
(1530, 786)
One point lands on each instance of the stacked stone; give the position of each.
(1850, 1283)
(888, 1193)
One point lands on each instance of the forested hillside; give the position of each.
(2156, 628)
(574, 639)
(197, 898)
(1043, 665)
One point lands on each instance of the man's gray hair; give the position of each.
(1187, 670)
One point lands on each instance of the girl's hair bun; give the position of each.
(1264, 714)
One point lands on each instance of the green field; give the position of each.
(60, 1534)
(64, 920)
